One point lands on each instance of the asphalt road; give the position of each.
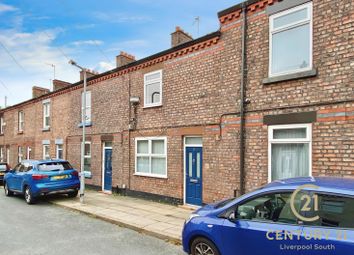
(47, 229)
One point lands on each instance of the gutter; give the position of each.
(242, 101)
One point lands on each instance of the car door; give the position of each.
(333, 231)
(18, 177)
(11, 177)
(263, 225)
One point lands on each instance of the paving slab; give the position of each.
(152, 218)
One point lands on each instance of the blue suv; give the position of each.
(295, 216)
(34, 178)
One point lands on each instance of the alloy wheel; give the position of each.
(203, 249)
(28, 195)
(6, 190)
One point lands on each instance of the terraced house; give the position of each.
(269, 95)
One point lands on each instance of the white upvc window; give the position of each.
(46, 115)
(28, 154)
(59, 151)
(87, 159)
(21, 121)
(153, 89)
(2, 125)
(290, 41)
(46, 151)
(20, 154)
(1, 154)
(151, 156)
(289, 151)
(87, 107)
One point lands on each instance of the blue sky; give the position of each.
(36, 33)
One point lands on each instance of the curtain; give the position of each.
(290, 160)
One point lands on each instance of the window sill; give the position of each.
(87, 124)
(1, 134)
(289, 77)
(46, 129)
(151, 175)
(20, 132)
(152, 106)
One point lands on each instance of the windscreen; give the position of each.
(54, 166)
(2, 168)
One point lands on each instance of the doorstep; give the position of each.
(160, 220)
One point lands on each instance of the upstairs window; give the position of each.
(46, 115)
(153, 89)
(21, 121)
(2, 125)
(87, 107)
(291, 41)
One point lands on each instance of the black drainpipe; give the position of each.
(242, 101)
(129, 144)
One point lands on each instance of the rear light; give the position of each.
(38, 177)
(75, 173)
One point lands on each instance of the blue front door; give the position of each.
(194, 173)
(107, 169)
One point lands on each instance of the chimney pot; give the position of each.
(39, 91)
(124, 58)
(89, 74)
(179, 37)
(58, 84)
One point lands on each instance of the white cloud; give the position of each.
(120, 17)
(33, 51)
(87, 42)
(6, 8)
(104, 66)
(84, 26)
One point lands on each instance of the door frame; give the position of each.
(104, 147)
(184, 164)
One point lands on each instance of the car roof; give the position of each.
(325, 183)
(42, 161)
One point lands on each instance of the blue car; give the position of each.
(35, 178)
(304, 216)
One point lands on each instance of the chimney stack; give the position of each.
(124, 58)
(38, 91)
(58, 84)
(89, 73)
(179, 37)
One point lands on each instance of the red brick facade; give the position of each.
(201, 97)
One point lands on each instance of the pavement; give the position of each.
(45, 229)
(156, 219)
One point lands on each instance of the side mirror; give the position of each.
(232, 217)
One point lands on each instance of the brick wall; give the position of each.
(201, 93)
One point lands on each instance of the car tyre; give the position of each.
(203, 246)
(73, 194)
(30, 199)
(8, 192)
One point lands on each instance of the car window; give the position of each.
(27, 167)
(17, 167)
(334, 211)
(273, 207)
(54, 166)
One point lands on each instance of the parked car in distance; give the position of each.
(35, 178)
(4, 168)
(266, 221)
